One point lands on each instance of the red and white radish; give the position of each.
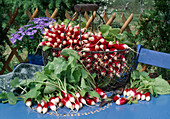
(121, 101)
(39, 108)
(28, 102)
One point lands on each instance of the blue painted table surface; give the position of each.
(157, 108)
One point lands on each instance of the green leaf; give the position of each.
(114, 31)
(83, 83)
(12, 99)
(33, 93)
(77, 75)
(94, 94)
(26, 82)
(14, 83)
(3, 96)
(105, 30)
(83, 92)
(161, 86)
(70, 52)
(84, 73)
(49, 89)
(46, 48)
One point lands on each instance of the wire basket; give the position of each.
(112, 68)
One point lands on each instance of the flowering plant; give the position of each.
(29, 36)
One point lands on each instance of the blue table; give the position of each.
(157, 108)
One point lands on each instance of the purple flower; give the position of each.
(20, 38)
(34, 31)
(29, 33)
(31, 37)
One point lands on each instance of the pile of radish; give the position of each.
(72, 102)
(131, 96)
(106, 58)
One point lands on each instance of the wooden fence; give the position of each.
(108, 21)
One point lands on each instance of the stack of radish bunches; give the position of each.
(113, 63)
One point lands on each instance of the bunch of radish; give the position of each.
(106, 57)
(72, 102)
(131, 95)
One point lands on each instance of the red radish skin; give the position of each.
(138, 95)
(148, 96)
(28, 102)
(103, 41)
(96, 99)
(77, 104)
(45, 108)
(110, 44)
(121, 101)
(67, 103)
(39, 108)
(90, 102)
(82, 100)
(52, 99)
(71, 98)
(52, 106)
(115, 98)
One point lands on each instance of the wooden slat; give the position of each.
(86, 16)
(126, 23)
(91, 19)
(12, 19)
(106, 19)
(67, 15)
(124, 20)
(75, 17)
(6, 64)
(28, 14)
(47, 13)
(35, 14)
(54, 14)
(140, 20)
(16, 53)
(111, 19)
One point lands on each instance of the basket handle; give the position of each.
(85, 7)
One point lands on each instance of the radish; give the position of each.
(64, 93)
(121, 101)
(143, 97)
(93, 40)
(67, 103)
(60, 104)
(96, 99)
(89, 45)
(103, 47)
(82, 100)
(45, 108)
(71, 98)
(28, 102)
(42, 102)
(138, 95)
(103, 41)
(115, 98)
(39, 108)
(57, 99)
(125, 92)
(110, 44)
(90, 102)
(122, 47)
(148, 97)
(52, 99)
(97, 47)
(77, 104)
(52, 106)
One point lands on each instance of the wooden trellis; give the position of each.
(89, 20)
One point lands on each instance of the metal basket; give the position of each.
(108, 76)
